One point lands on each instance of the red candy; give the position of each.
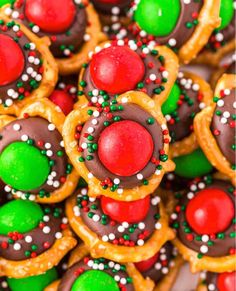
(63, 100)
(116, 69)
(125, 148)
(12, 60)
(131, 212)
(210, 211)
(147, 264)
(54, 16)
(115, 2)
(226, 281)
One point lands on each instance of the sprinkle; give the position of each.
(204, 249)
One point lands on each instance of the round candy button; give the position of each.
(116, 69)
(125, 148)
(12, 60)
(226, 281)
(54, 16)
(131, 212)
(210, 211)
(63, 100)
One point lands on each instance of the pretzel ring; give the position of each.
(169, 68)
(45, 109)
(49, 75)
(100, 248)
(79, 117)
(204, 134)
(188, 144)
(138, 281)
(205, 251)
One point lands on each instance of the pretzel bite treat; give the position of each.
(222, 40)
(189, 95)
(204, 220)
(215, 127)
(162, 268)
(87, 273)
(217, 281)
(33, 238)
(123, 231)
(112, 11)
(186, 29)
(27, 69)
(33, 162)
(65, 93)
(104, 146)
(153, 71)
(72, 26)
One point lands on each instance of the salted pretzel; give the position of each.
(153, 71)
(34, 73)
(38, 121)
(82, 126)
(74, 29)
(211, 125)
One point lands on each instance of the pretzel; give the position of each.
(188, 144)
(171, 66)
(219, 265)
(73, 64)
(80, 117)
(213, 58)
(208, 20)
(40, 264)
(46, 109)
(138, 281)
(50, 74)
(204, 135)
(99, 248)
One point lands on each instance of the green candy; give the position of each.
(95, 280)
(170, 105)
(226, 13)
(23, 167)
(34, 283)
(158, 18)
(4, 2)
(192, 165)
(19, 215)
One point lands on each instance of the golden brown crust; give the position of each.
(218, 265)
(78, 254)
(208, 21)
(171, 66)
(80, 116)
(99, 248)
(47, 110)
(168, 281)
(73, 64)
(50, 74)
(53, 286)
(213, 58)
(40, 264)
(201, 287)
(189, 144)
(204, 135)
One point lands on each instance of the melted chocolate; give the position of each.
(71, 39)
(130, 112)
(181, 123)
(108, 8)
(36, 128)
(221, 127)
(231, 68)
(71, 275)
(31, 75)
(221, 246)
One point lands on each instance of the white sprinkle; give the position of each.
(46, 218)
(190, 195)
(28, 239)
(123, 281)
(16, 246)
(117, 278)
(47, 145)
(203, 249)
(195, 87)
(158, 225)
(35, 29)
(51, 127)
(96, 218)
(155, 200)
(90, 263)
(226, 114)
(16, 127)
(139, 176)
(121, 228)
(158, 266)
(223, 120)
(125, 224)
(172, 42)
(24, 137)
(205, 238)
(211, 287)
(90, 129)
(49, 153)
(46, 229)
(141, 225)
(111, 236)
(58, 235)
(116, 181)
